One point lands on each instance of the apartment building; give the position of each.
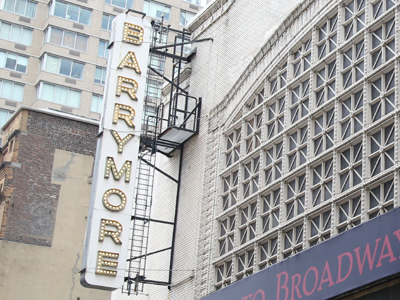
(54, 53)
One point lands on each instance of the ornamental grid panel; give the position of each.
(314, 152)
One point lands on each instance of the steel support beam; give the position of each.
(159, 170)
(155, 252)
(152, 220)
(180, 44)
(168, 54)
(167, 79)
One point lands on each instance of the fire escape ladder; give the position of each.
(141, 222)
(136, 271)
(165, 128)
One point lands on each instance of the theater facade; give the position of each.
(299, 139)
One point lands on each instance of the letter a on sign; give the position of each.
(130, 61)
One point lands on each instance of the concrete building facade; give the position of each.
(54, 54)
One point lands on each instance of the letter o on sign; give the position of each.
(110, 206)
(314, 269)
(261, 293)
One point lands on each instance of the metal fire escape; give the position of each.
(165, 127)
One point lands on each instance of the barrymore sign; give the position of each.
(107, 233)
(355, 258)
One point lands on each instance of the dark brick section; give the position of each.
(11, 103)
(31, 199)
(78, 26)
(24, 19)
(20, 47)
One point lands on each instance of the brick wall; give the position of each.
(30, 200)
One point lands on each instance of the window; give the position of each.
(349, 214)
(293, 241)
(253, 132)
(63, 66)
(185, 18)
(245, 262)
(297, 152)
(251, 176)
(157, 64)
(350, 168)
(381, 199)
(21, 7)
(153, 88)
(381, 149)
(120, 3)
(383, 43)
(302, 58)
(4, 116)
(324, 131)
(224, 273)
(382, 96)
(59, 94)
(295, 196)
(103, 49)
(230, 190)
(100, 75)
(13, 61)
(322, 178)
(186, 48)
(300, 101)
(275, 115)
(278, 80)
(320, 228)
(327, 37)
(273, 163)
(247, 227)
(71, 12)
(197, 2)
(351, 117)
(268, 253)
(270, 210)
(106, 22)
(15, 33)
(233, 147)
(226, 234)
(66, 39)
(353, 64)
(325, 83)
(97, 104)
(11, 90)
(354, 18)
(381, 6)
(156, 10)
(257, 100)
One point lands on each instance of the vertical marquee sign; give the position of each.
(107, 233)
